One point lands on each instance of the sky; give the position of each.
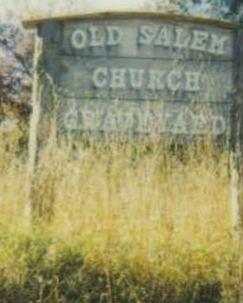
(30, 8)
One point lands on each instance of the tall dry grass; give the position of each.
(133, 213)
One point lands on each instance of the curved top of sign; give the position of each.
(33, 22)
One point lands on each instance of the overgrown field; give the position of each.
(118, 224)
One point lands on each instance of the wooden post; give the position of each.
(34, 122)
(236, 158)
(237, 138)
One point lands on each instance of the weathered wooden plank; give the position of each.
(147, 38)
(140, 79)
(180, 118)
(34, 21)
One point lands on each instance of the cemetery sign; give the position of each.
(139, 74)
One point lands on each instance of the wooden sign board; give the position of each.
(139, 75)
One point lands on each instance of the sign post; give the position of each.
(237, 139)
(236, 156)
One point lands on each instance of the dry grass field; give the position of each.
(118, 224)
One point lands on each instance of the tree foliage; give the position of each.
(219, 9)
(16, 49)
